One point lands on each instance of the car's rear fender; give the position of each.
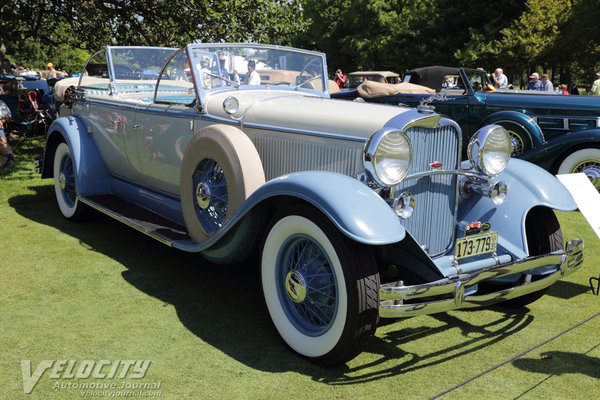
(529, 186)
(92, 175)
(526, 122)
(550, 154)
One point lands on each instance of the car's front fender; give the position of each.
(355, 209)
(529, 186)
(525, 121)
(550, 154)
(92, 175)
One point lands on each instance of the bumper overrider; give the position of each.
(449, 293)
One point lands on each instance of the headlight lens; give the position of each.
(489, 149)
(388, 156)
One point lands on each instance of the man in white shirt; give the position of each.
(547, 86)
(252, 77)
(499, 79)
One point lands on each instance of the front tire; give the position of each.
(321, 289)
(65, 184)
(586, 161)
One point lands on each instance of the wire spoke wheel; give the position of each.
(307, 285)
(211, 199)
(587, 161)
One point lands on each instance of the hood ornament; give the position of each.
(425, 107)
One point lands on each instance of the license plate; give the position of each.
(477, 244)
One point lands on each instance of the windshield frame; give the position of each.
(205, 93)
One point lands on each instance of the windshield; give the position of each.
(478, 78)
(223, 66)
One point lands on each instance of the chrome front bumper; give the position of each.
(392, 297)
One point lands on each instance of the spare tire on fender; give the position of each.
(220, 170)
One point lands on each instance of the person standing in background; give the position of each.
(546, 85)
(595, 90)
(534, 83)
(340, 79)
(499, 80)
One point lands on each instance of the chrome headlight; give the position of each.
(387, 156)
(489, 149)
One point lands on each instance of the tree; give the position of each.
(402, 34)
(90, 24)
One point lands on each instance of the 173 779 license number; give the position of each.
(477, 244)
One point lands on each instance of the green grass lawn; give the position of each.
(101, 291)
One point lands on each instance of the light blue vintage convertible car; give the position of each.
(359, 211)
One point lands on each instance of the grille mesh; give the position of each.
(432, 222)
(285, 154)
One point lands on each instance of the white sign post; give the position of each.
(586, 196)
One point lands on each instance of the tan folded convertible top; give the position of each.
(371, 90)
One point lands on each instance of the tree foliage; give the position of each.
(556, 36)
(90, 24)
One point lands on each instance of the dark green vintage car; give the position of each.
(557, 132)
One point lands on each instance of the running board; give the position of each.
(139, 218)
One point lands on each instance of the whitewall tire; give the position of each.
(320, 288)
(65, 183)
(586, 161)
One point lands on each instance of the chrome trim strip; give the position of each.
(448, 172)
(125, 221)
(568, 262)
(303, 132)
(565, 120)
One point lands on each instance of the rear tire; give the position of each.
(543, 236)
(585, 161)
(65, 184)
(321, 288)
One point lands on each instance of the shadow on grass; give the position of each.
(561, 362)
(224, 306)
(567, 290)
(475, 337)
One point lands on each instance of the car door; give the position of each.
(162, 132)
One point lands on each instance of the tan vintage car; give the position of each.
(359, 211)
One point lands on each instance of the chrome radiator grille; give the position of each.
(433, 220)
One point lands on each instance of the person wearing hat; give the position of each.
(546, 86)
(223, 70)
(534, 83)
(252, 77)
(51, 72)
(595, 90)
